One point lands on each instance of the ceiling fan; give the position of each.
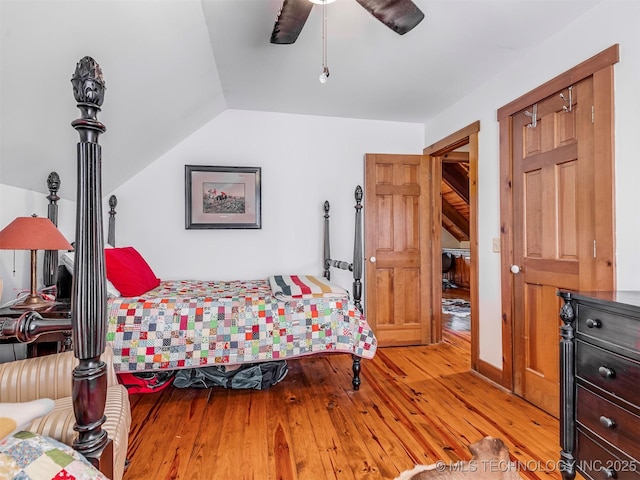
(399, 15)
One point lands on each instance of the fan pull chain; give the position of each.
(324, 76)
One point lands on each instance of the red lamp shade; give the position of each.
(32, 233)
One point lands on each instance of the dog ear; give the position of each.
(475, 449)
(487, 447)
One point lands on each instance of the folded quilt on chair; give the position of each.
(304, 286)
(26, 455)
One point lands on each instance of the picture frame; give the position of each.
(222, 197)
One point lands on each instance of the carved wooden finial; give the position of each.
(88, 83)
(88, 90)
(359, 194)
(113, 203)
(53, 183)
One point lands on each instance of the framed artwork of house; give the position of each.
(222, 197)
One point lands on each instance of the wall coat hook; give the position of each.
(533, 115)
(569, 107)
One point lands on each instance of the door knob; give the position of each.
(515, 269)
(372, 259)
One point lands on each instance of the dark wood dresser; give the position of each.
(600, 385)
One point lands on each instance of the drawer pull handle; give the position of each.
(607, 422)
(593, 323)
(606, 372)
(610, 473)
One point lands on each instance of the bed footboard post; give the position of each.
(357, 251)
(89, 293)
(111, 237)
(356, 373)
(326, 251)
(50, 273)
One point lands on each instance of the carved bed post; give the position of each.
(357, 251)
(357, 275)
(89, 293)
(50, 271)
(326, 251)
(113, 203)
(355, 266)
(567, 389)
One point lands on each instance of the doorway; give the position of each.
(456, 255)
(459, 149)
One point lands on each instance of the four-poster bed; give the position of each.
(315, 319)
(178, 324)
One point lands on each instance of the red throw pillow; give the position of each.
(129, 272)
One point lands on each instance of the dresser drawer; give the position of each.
(620, 330)
(616, 425)
(600, 461)
(613, 373)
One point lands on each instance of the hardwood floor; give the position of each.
(452, 325)
(416, 405)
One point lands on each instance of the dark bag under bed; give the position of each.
(258, 376)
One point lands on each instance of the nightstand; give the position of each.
(47, 343)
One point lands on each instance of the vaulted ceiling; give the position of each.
(173, 65)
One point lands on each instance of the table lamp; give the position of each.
(32, 233)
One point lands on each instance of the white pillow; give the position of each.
(67, 260)
(15, 416)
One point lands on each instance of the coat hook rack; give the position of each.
(569, 101)
(534, 116)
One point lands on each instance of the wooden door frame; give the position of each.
(467, 135)
(599, 66)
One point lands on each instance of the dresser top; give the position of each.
(626, 298)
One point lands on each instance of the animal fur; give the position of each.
(489, 461)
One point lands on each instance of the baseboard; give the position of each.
(494, 374)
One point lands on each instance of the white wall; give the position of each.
(610, 22)
(305, 160)
(448, 240)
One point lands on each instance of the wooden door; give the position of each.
(554, 230)
(397, 237)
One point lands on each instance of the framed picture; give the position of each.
(222, 197)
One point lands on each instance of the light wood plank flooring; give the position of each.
(416, 405)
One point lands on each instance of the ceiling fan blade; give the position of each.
(399, 15)
(291, 18)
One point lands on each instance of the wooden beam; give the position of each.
(455, 157)
(455, 217)
(457, 178)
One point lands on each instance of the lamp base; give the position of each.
(34, 301)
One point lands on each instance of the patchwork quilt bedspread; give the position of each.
(187, 324)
